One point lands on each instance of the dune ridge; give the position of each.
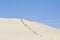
(21, 29)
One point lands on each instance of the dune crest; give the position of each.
(20, 29)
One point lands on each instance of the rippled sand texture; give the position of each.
(20, 29)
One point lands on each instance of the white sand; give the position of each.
(17, 29)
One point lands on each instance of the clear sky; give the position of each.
(43, 11)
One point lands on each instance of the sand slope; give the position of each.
(17, 29)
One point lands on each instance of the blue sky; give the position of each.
(43, 11)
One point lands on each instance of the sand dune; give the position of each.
(20, 29)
